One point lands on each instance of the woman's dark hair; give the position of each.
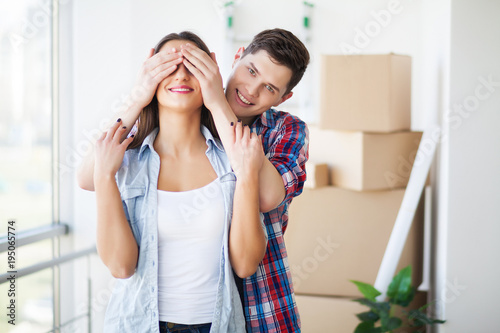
(285, 49)
(149, 118)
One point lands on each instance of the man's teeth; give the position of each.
(243, 99)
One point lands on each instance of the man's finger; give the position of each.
(164, 70)
(150, 54)
(195, 71)
(195, 60)
(161, 58)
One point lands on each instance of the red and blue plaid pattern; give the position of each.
(269, 300)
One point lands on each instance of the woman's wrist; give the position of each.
(103, 178)
(249, 177)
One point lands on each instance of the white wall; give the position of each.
(472, 249)
(110, 39)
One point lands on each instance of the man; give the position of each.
(263, 76)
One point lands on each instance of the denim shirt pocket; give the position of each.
(133, 201)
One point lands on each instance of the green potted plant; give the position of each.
(381, 317)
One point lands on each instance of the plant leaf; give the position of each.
(367, 327)
(367, 290)
(380, 308)
(419, 318)
(400, 290)
(394, 323)
(368, 316)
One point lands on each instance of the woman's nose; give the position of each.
(182, 73)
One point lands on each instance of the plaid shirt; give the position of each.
(269, 301)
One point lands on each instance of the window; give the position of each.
(26, 154)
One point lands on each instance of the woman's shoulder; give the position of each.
(130, 168)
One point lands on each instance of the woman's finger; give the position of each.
(119, 133)
(246, 134)
(103, 135)
(238, 132)
(127, 141)
(112, 130)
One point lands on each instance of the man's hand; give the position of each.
(205, 69)
(155, 68)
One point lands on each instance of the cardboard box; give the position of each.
(318, 175)
(335, 314)
(365, 161)
(336, 235)
(365, 92)
(328, 314)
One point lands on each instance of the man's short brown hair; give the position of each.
(285, 49)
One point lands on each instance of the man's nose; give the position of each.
(253, 89)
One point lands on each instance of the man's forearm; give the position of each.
(85, 172)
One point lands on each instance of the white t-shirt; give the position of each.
(190, 230)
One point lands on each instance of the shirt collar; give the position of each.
(266, 119)
(150, 139)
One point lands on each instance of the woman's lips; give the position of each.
(181, 89)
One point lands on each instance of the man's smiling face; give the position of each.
(256, 84)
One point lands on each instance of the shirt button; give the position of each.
(153, 264)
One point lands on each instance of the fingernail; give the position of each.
(118, 120)
(124, 127)
(132, 136)
(232, 124)
(239, 120)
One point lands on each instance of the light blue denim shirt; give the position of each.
(133, 306)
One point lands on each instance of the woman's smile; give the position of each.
(182, 89)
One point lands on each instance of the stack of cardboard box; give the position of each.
(361, 156)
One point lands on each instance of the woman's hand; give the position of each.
(205, 69)
(109, 151)
(155, 68)
(248, 155)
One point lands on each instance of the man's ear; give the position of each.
(238, 55)
(284, 98)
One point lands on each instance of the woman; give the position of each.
(164, 208)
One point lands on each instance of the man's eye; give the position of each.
(251, 71)
(269, 88)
